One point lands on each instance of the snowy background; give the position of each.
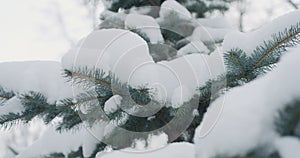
(46, 29)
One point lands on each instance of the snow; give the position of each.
(146, 25)
(92, 136)
(107, 14)
(65, 142)
(40, 76)
(181, 94)
(288, 147)
(108, 3)
(117, 47)
(112, 20)
(172, 7)
(230, 118)
(203, 39)
(157, 141)
(193, 47)
(195, 113)
(249, 41)
(174, 150)
(45, 77)
(13, 105)
(216, 3)
(177, 79)
(257, 12)
(216, 22)
(154, 142)
(144, 10)
(56, 142)
(20, 137)
(192, 71)
(112, 104)
(208, 34)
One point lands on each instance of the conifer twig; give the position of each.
(257, 64)
(287, 39)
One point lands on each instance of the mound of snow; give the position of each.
(146, 25)
(217, 22)
(193, 47)
(53, 141)
(288, 147)
(175, 150)
(208, 34)
(40, 76)
(249, 41)
(173, 7)
(112, 104)
(127, 55)
(237, 123)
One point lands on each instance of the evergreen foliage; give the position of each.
(99, 87)
(199, 7)
(287, 123)
(5, 95)
(242, 68)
